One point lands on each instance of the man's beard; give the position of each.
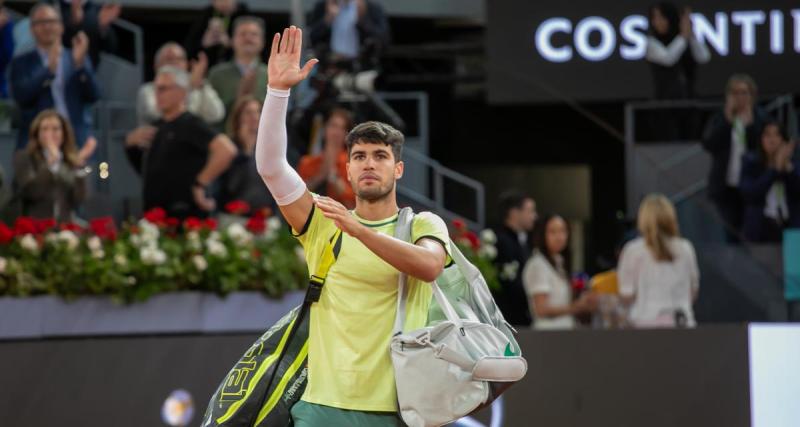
(374, 194)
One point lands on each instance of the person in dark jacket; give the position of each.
(770, 186)
(52, 76)
(48, 178)
(95, 21)
(728, 136)
(212, 33)
(514, 247)
(241, 181)
(348, 30)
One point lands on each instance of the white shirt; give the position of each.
(738, 150)
(777, 207)
(670, 55)
(660, 287)
(539, 277)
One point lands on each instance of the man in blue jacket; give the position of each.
(52, 76)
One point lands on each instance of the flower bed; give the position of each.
(161, 254)
(156, 254)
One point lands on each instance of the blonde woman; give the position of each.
(658, 274)
(48, 176)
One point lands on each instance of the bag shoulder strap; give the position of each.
(330, 253)
(402, 232)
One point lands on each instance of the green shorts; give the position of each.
(305, 414)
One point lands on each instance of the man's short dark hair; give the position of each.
(377, 133)
(511, 199)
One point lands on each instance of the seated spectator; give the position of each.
(212, 32)
(6, 47)
(49, 181)
(547, 278)
(184, 156)
(246, 73)
(241, 181)
(729, 135)
(93, 20)
(326, 173)
(202, 101)
(55, 77)
(514, 248)
(771, 186)
(658, 273)
(343, 31)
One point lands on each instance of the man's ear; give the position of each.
(399, 167)
(347, 167)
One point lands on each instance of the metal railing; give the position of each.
(662, 174)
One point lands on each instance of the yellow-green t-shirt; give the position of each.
(350, 328)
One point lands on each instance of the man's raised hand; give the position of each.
(283, 68)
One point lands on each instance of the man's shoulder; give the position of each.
(221, 69)
(26, 58)
(427, 217)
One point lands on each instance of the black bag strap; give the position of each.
(316, 282)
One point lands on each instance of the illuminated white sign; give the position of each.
(632, 38)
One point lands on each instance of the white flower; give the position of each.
(193, 241)
(136, 240)
(69, 238)
(488, 251)
(148, 230)
(509, 270)
(29, 243)
(94, 244)
(216, 248)
(273, 223)
(120, 260)
(488, 237)
(239, 234)
(199, 262)
(98, 254)
(130, 280)
(3, 264)
(301, 255)
(152, 255)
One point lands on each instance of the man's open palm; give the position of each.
(283, 68)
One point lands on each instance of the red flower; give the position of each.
(256, 254)
(43, 225)
(256, 225)
(264, 212)
(473, 239)
(237, 207)
(192, 223)
(459, 224)
(103, 228)
(24, 225)
(71, 226)
(156, 216)
(211, 224)
(6, 234)
(172, 222)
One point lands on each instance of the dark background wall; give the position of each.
(585, 378)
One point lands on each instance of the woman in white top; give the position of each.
(546, 278)
(658, 274)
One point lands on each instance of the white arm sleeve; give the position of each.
(281, 179)
(699, 51)
(666, 56)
